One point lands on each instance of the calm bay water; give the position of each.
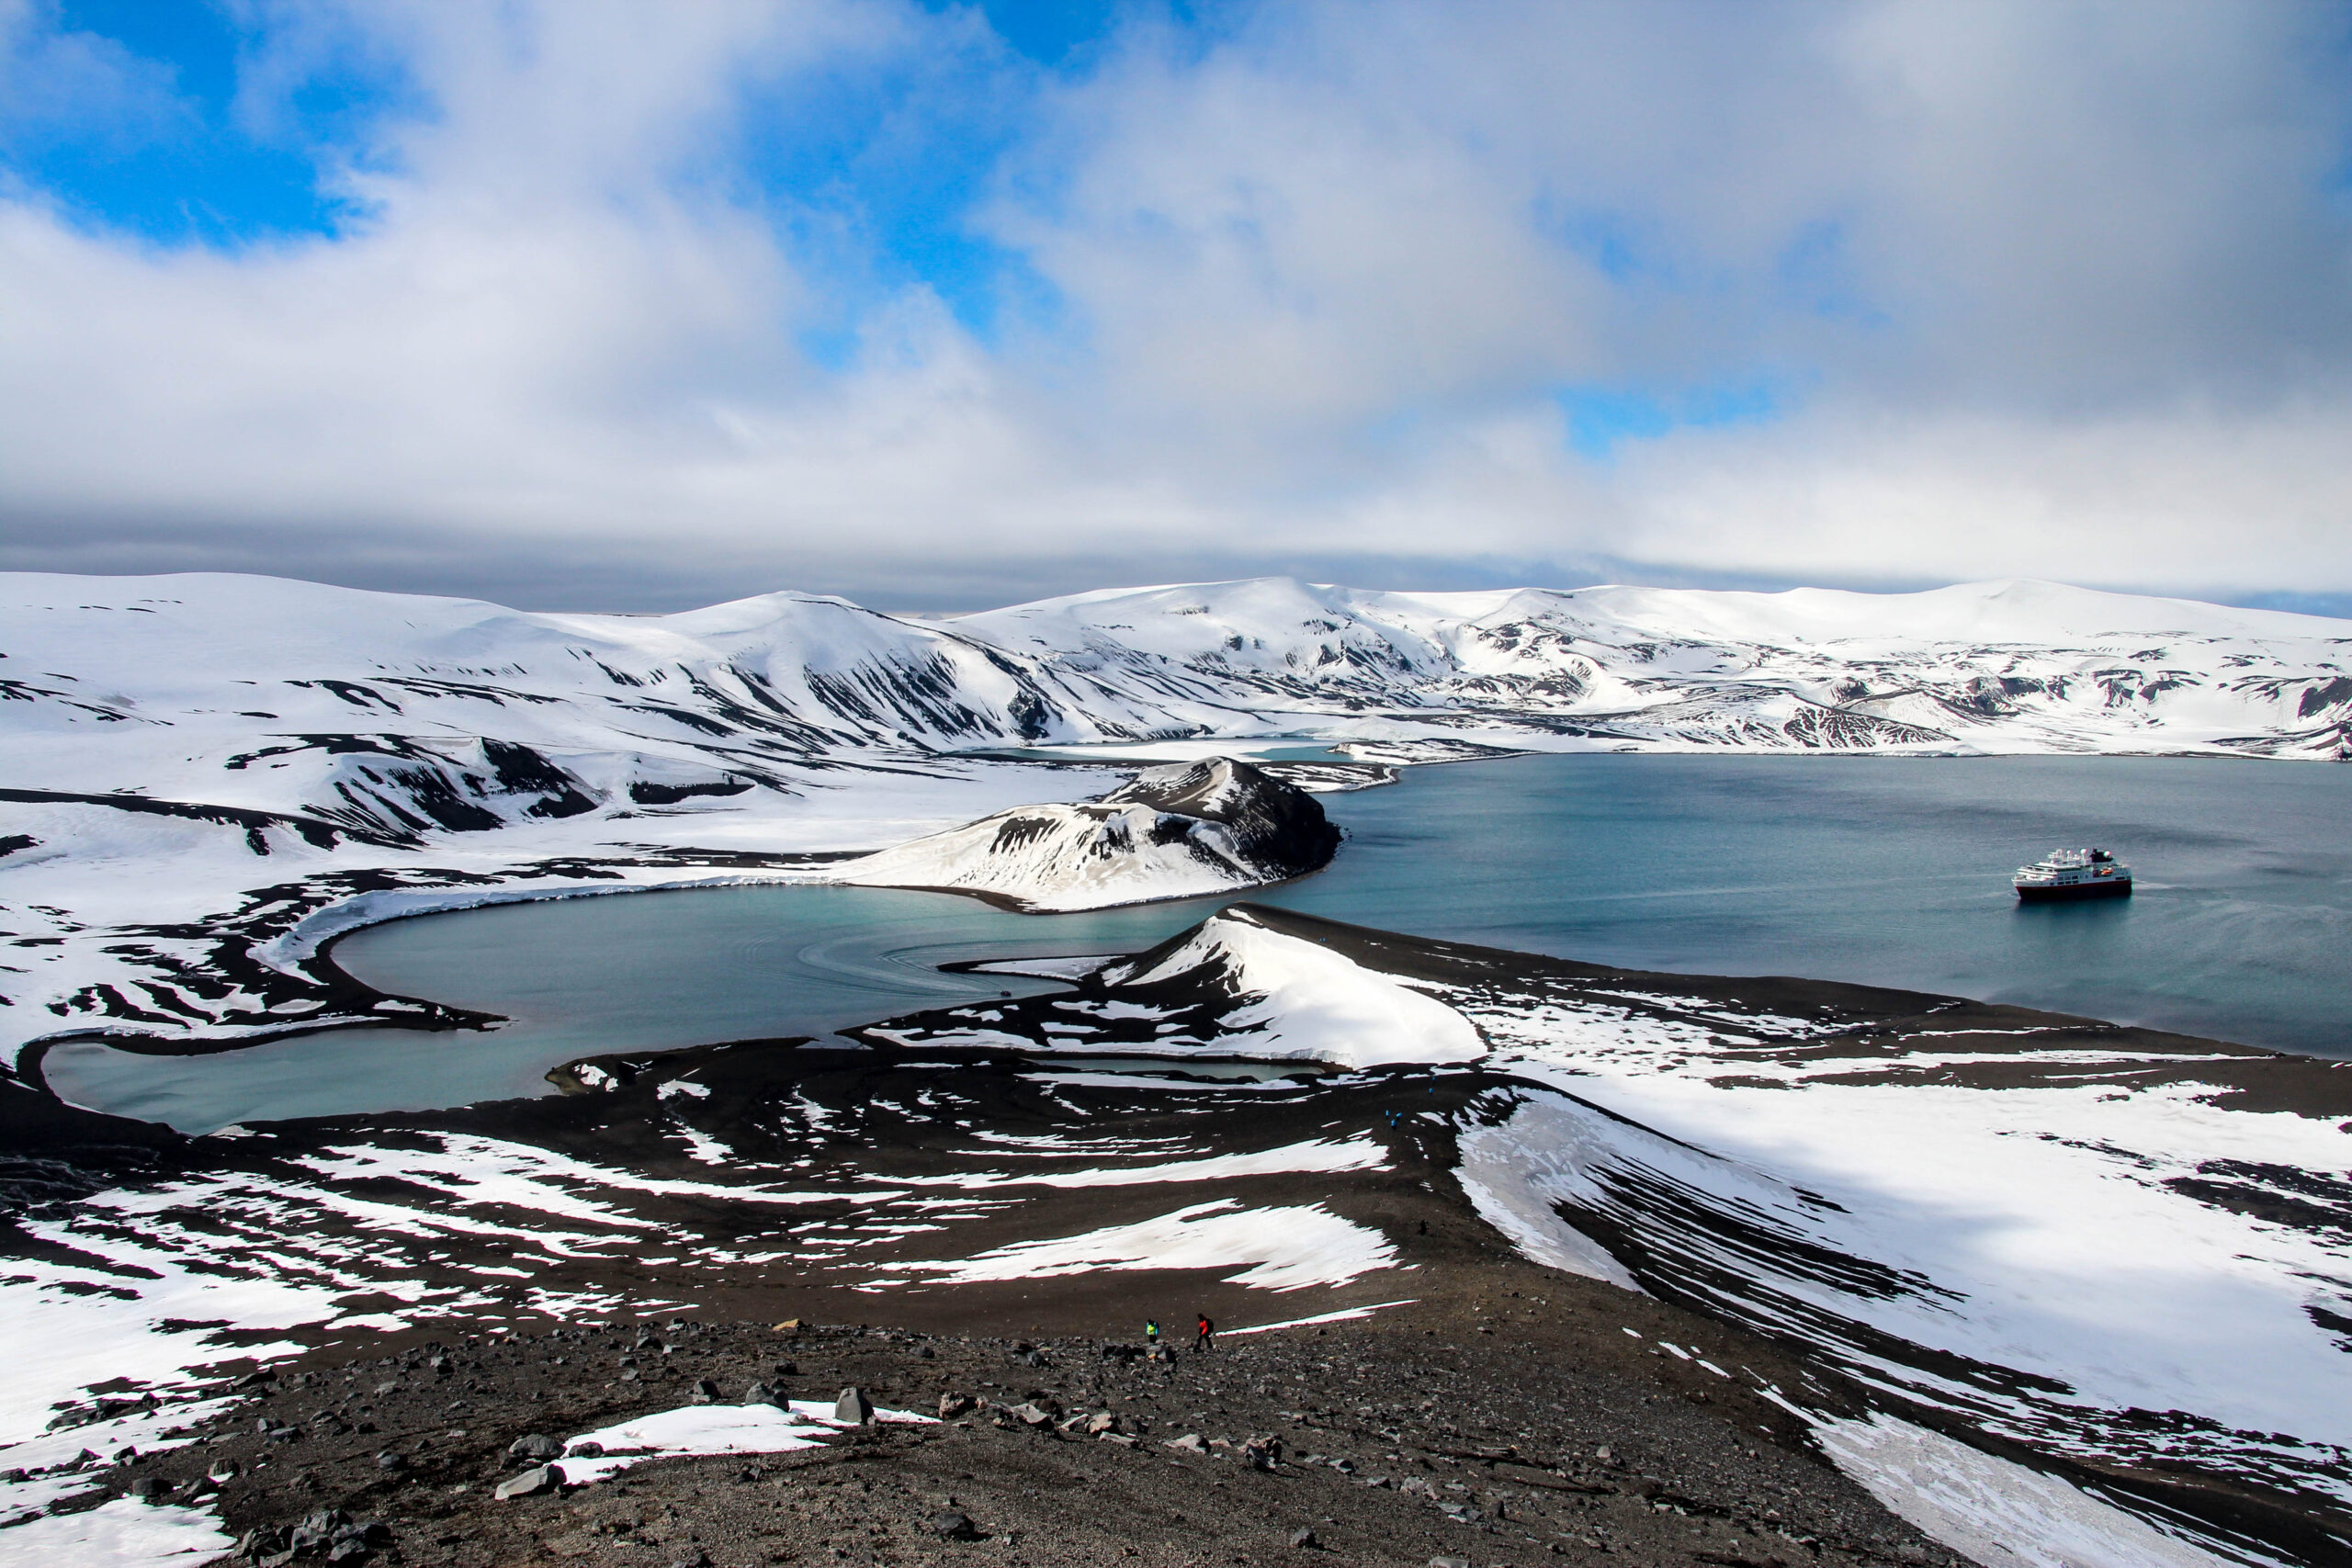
(1890, 871)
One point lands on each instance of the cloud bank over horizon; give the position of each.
(942, 306)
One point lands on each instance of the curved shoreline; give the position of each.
(304, 951)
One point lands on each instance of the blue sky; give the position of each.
(942, 303)
(183, 165)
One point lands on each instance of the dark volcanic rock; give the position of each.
(1516, 1448)
(949, 1524)
(1275, 825)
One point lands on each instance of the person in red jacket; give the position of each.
(1208, 1333)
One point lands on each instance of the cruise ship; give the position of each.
(2072, 873)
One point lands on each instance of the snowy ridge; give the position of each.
(403, 717)
(1229, 986)
(1296, 1001)
(1978, 668)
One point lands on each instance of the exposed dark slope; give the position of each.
(1275, 825)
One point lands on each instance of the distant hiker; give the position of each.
(1208, 1333)
(1151, 1331)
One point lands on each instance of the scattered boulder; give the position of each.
(258, 1545)
(952, 1524)
(951, 1405)
(586, 1450)
(1029, 1414)
(853, 1408)
(761, 1393)
(706, 1392)
(1189, 1443)
(317, 1531)
(531, 1482)
(1302, 1540)
(535, 1447)
(1102, 1421)
(1262, 1452)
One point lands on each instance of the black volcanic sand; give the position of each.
(1498, 1427)
(1500, 1378)
(1878, 1029)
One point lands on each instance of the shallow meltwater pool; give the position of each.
(1881, 870)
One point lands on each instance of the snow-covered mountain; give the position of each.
(407, 716)
(1981, 666)
(196, 771)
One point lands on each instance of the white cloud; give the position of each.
(2050, 290)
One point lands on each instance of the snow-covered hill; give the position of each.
(1175, 831)
(193, 768)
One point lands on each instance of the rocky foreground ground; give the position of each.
(1516, 1423)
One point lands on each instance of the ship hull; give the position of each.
(2069, 892)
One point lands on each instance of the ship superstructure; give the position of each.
(2072, 873)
